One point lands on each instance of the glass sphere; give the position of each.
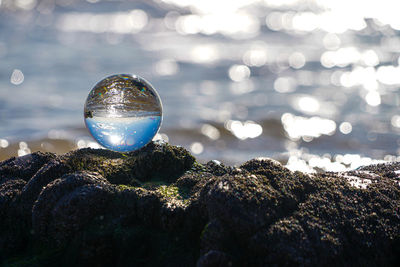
(123, 112)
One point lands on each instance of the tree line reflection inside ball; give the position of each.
(123, 112)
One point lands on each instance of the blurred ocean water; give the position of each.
(313, 83)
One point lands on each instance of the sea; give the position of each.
(313, 84)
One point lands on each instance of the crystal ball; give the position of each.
(123, 112)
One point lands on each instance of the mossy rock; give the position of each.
(160, 207)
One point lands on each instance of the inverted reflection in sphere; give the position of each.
(123, 112)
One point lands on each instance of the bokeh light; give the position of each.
(312, 83)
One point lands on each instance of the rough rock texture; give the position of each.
(159, 207)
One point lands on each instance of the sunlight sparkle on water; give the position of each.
(17, 77)
(242, 131)
(239, 73)
(297, 126)
(123, 112)
(345, 127)
(113, 22)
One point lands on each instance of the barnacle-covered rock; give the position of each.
(159, 207)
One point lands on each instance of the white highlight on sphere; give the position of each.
(115, 139)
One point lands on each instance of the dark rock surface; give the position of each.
(159, 207)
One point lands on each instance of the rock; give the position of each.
(161, 161)
(214, 258)
(12, 235)
(24, 167)
(158, 206)
(251, 200)
(65, 205)
(9, 190)
(217, 168)
(214, 237)
(48, 173)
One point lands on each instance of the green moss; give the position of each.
(173, 193)
(169, 192)
(154, 184)
(163, 162)
(123, 187)
(198, 167)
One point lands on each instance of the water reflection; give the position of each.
(312, 83)
(119, 22)
(17, 77)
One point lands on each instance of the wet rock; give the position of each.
(48, 173)
(155, 161)
(9, 190)
(217, 168)
(214, 236)
(24, 167)
(68, 203)
(214, 258)
(247, 202)
(158, 206)
(263, 166)
(11, 232)
(147, 206)
(161, 161)
(193, 181)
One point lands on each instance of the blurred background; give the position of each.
(312, 83)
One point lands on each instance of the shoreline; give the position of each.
(297, 160)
